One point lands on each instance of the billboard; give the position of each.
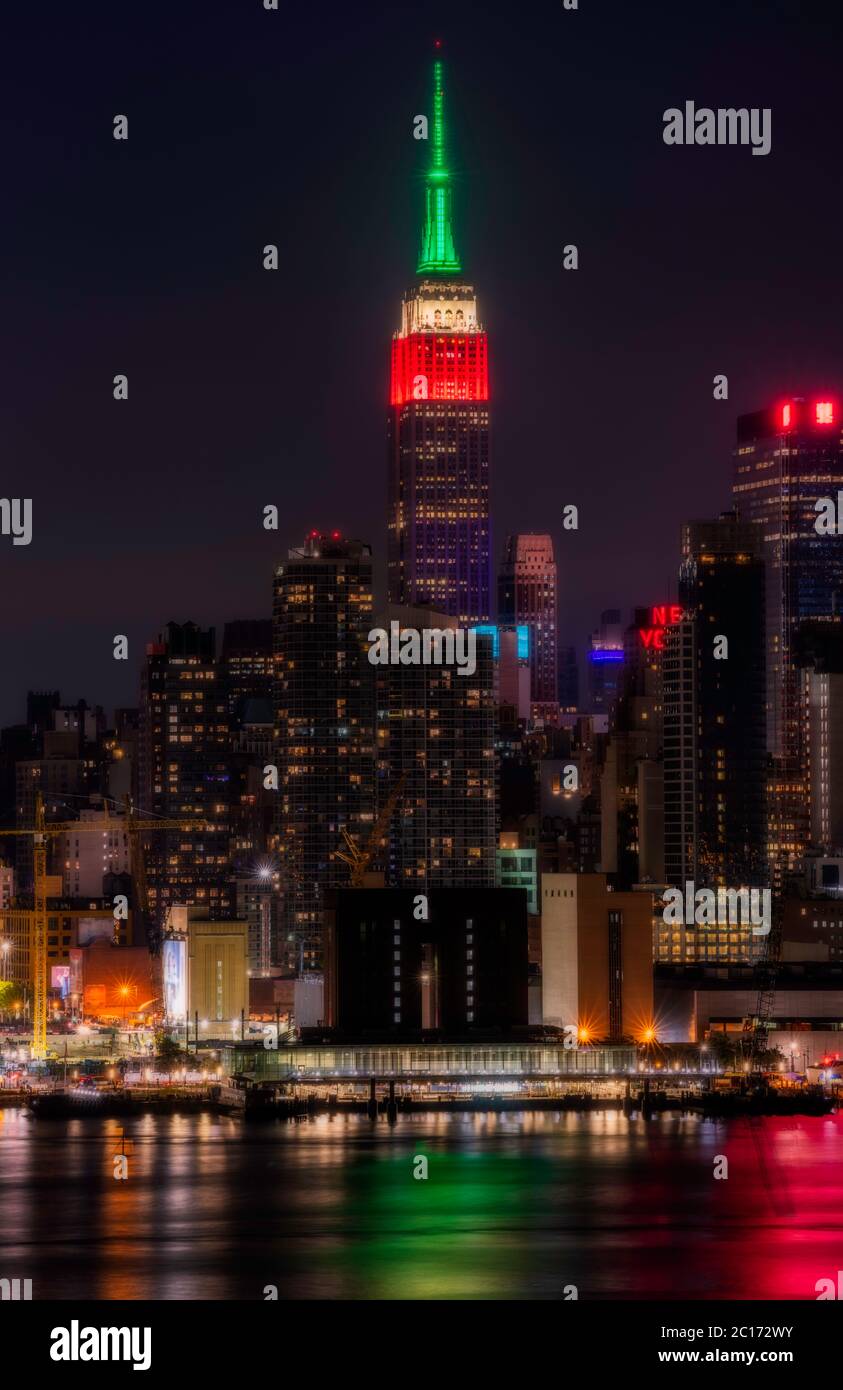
(60, 979)
(174, 964)
(76, 975)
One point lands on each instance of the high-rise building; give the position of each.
(7, 887)
(324, 728)
(824, 696)
(436, 730)
(527, 594)
(788, 458)
(87, 857)
(713, 697)
(59, 779)
(630, 784)
(819, 657)
(569, 679)
(605, 659)
(247, 663)
(511, 650)
(439, 530)
(184, 772)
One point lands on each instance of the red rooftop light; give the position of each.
(825, 412)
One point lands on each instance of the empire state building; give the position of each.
(439, 534)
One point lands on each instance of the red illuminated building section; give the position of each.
(661, 618)
(449, 367)
(799, 413)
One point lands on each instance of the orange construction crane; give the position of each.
(358, 859)
(41, 832)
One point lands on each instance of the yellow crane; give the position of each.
(358, 859)
(41, 832)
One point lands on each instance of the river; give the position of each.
(519, 1205)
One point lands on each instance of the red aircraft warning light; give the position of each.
(824, 412)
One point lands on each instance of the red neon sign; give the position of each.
(663, 616)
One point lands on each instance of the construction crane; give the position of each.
(41, 832)
(359, 859)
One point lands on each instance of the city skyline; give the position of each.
(421, 733)
(174, 489)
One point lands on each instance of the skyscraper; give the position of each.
(788, 457)
(436, 730)
(324, 728)
(527, 595)
(184, 772)
(247, 663)
(819, 657)
(713, 699)
(569, 679)
(631, 781)
(605, 660)
(439, 531)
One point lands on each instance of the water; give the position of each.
(516, 1206)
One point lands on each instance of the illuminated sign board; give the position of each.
(523, 638)
(663, 616)
(821, 413)
(60, 979)
(174, 962)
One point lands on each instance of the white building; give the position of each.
(87, 854)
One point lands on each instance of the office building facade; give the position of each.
(184, 773)
(324, 729)
(527, 594)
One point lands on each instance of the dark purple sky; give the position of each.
(245, 387)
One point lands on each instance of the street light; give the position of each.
(124, 994)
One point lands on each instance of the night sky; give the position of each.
(248, 387)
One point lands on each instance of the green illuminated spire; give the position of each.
(438, 253)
